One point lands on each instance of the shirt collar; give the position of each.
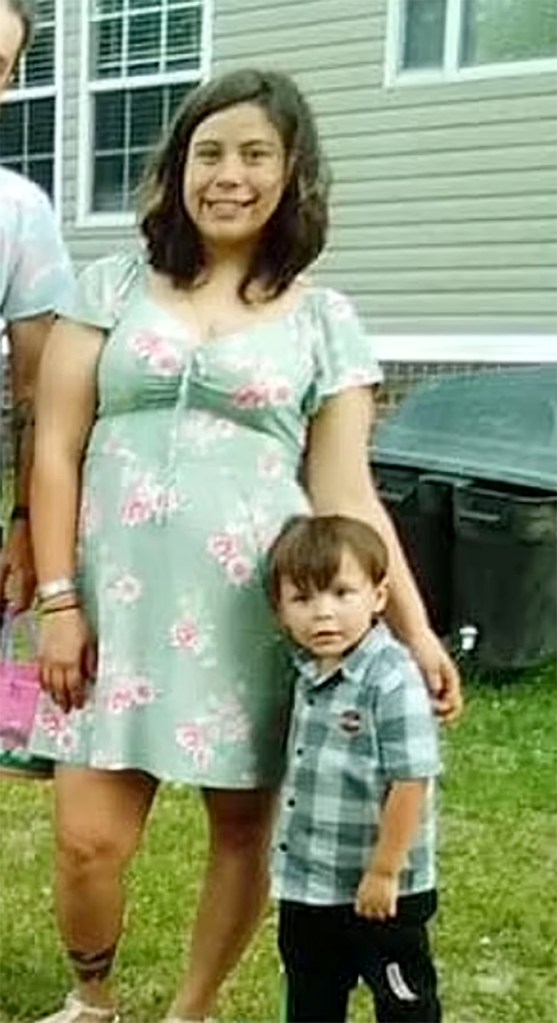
(352, 668)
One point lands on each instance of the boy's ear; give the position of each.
(284, 628)
(279, 613)
(381, 596)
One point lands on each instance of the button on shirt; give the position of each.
(353, 733)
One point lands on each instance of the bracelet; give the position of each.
(63, 595)
(55, 588)
(58, 610)
(20, 513)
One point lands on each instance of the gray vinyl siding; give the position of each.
(84, 245)
(444, 213)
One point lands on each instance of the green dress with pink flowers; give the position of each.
(192, 466)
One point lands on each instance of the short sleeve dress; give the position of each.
(192, 467)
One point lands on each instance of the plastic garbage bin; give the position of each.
(505, 573)
(421, 508)
(493, 433)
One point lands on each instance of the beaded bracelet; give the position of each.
(44, 612)
(55, 588)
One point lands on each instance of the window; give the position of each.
(28, 122)
(439, 39)
(142, 55)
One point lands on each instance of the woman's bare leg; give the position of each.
(100, 816)
(233, 897)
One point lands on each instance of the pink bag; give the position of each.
(19, 685)
(19, 690)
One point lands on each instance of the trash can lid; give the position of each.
(496, 424)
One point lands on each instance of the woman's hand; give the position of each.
(66, 657)
(441, 674)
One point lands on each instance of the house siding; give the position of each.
(444, 212)
(83, 245)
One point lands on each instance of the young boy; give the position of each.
(353, 864)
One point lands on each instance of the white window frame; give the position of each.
(491, 349)
(86, 218)
(395, 75)
(55, 92)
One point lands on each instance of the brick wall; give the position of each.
(402, 377)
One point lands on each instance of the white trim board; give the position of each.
(422, 348)
(451, 348)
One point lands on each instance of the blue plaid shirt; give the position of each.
(353, 732)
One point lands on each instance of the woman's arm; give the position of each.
(65, 411)
(66, 401)
(339, 481)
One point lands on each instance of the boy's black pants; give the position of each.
(327, 949)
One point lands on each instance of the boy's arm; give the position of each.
(400, 819)
(409, 758)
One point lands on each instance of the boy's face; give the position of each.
(330, 622)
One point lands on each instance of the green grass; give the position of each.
(495, 937)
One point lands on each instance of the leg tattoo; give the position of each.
(93, 965)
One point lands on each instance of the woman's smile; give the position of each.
(228, 207)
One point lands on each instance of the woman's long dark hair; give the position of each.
(25, 11)
(296, 232)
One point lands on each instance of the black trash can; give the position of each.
(505, 573)
(491, 436)
(421, 509)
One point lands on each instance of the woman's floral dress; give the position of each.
(191, 468)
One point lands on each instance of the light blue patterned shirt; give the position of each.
(353, 733)
(35, 271)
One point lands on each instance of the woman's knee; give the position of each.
(97, 828)
(240, 821)
(85, 847)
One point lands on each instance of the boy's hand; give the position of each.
(377, 895)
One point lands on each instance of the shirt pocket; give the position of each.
(352, 747)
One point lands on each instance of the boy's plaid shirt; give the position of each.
(353, 732)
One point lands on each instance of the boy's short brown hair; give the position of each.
(308, 551)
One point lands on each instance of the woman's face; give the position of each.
(234, 176)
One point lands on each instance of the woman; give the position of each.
(197, 379)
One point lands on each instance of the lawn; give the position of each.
(495, 935)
